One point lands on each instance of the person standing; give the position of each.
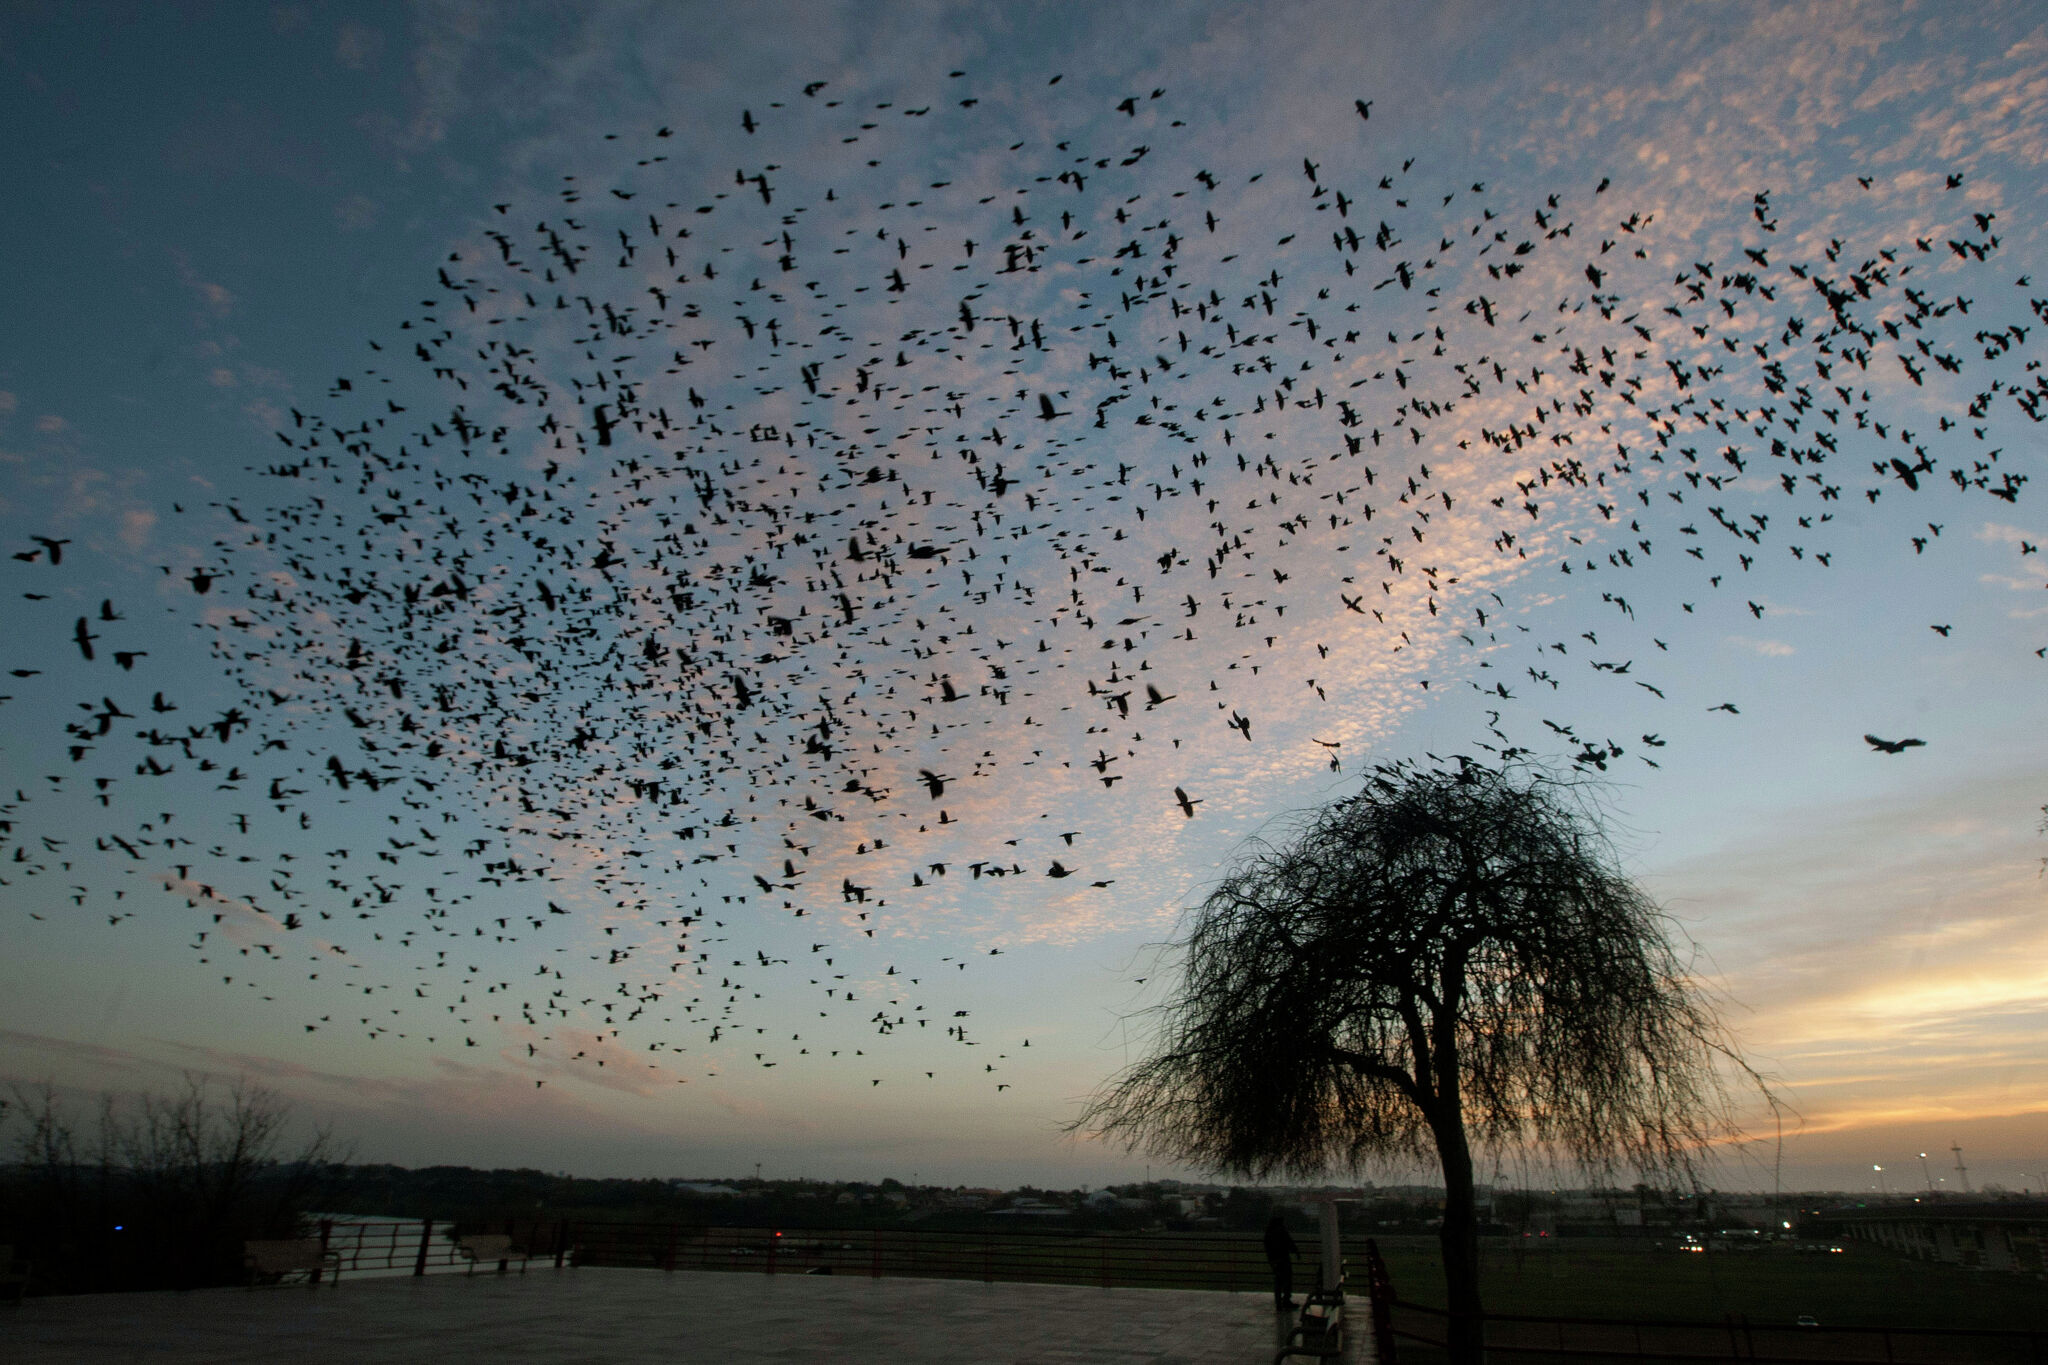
(1280, 1254)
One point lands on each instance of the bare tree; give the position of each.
(1448, 961)
(173, 1186)
(196, 1159)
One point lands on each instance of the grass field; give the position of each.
(1862, 1287)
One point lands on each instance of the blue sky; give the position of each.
(217, 211)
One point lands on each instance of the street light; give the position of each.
(1924, 1173)
(1883, 1188)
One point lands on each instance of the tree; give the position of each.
(1450, 961)
(166, 1194)
(213, 1169)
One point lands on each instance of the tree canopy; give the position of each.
(1449, 959)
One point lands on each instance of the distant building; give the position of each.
(705, 1187)
(2006, 1235)
(966, 1198)
(1109, 1199)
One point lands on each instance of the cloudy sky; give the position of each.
(573, 460)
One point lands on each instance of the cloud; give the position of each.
(356, 47)
(1998, 533)
(1770, 649)
(1886, 957)
(136, 525)
(43, 1054)
(357, 213)
(443, 55)
(216, 299)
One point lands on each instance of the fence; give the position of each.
(1570, 1341)
(413, 1245)
(1216, 1261)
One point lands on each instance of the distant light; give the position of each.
(118, 1226)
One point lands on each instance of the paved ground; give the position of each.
(629, 1315)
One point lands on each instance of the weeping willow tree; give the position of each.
(1448, 963)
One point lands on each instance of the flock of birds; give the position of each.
(814, 548)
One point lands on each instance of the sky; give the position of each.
(561, 517)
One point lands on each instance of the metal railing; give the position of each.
(1161, 1261)
(409, 1245)
(1213, 1261)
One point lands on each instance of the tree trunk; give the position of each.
(1460, 1242)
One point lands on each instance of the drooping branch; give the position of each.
(1452, 942)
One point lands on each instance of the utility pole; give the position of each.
(1962, 1171)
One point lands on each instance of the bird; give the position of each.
(1892, 746)
(682, 605)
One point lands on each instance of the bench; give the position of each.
(291, 1256)
(13, 1274)
(1319, 1332)
(485, 1247)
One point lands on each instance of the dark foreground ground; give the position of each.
(1861, 1286)
(629, 1315)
